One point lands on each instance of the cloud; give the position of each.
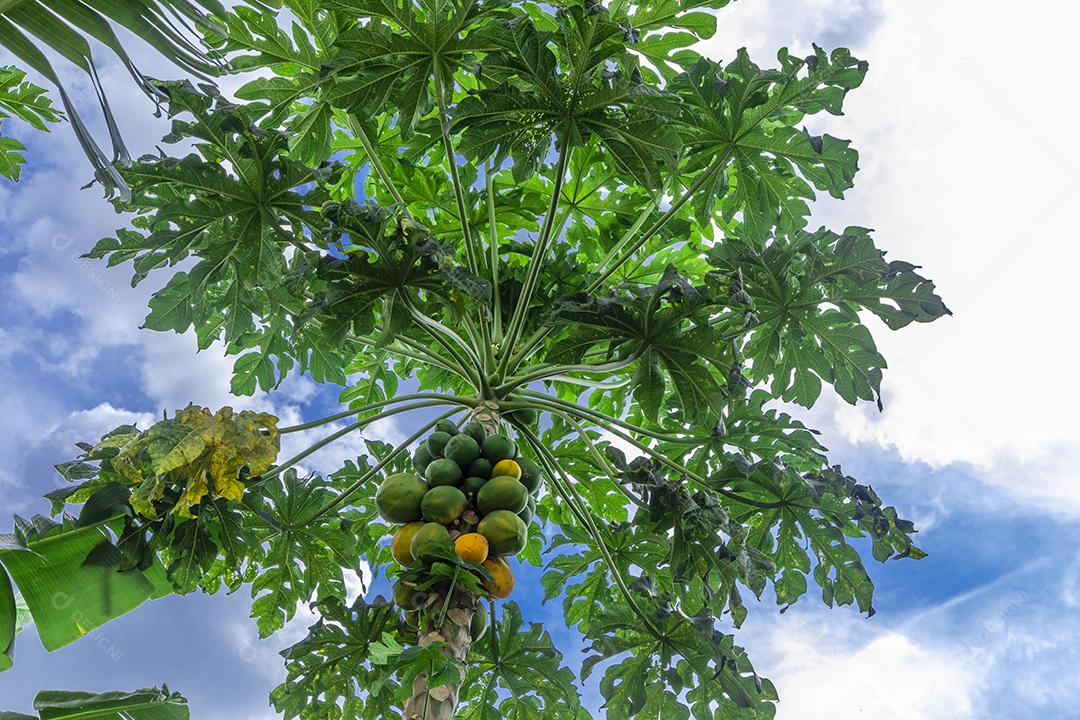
(826, 675)
(988, 652)
(765, 27)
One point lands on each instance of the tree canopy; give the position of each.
(560, 221)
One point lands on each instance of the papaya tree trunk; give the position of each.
(441, 702)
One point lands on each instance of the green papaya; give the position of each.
(443, 504)
(443, 471)
(528, 416)
(398, 498)
(498, 447)
(404, 597)
(506, 533)
(462, 449)
(447, 426)
(532, 476)
(430, 538)
(436, 442)
(529, 512)
(502, 493)
(476, 431)
(480, 468)
(421, 458)
(473, 484)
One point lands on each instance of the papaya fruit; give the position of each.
(480, 468)
(532, 475)
(476, 431)
(428, 539)
(473, 484)
(443, 504)
(506, 533)
(401, 544)
(404, 596)
(472, 547)
(529, 512)
(527, 416)
(436, 442)
(421, 459)
(447, 426)
(398, 498)
(506, 467)
(462, 449)
(443, 471)
(498, 447)
(503, 583)
(478, 625)
(502, 493)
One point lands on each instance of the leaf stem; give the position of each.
(495, 257)
(346, 430)
(600, 459)
(698, 183)
(607, 423)
(373, 157)
(459, 193)
(537, 259)
(689, 440)
(440, 333)
(468, 402)
(551, 370)
(356, 485)
(549, 460)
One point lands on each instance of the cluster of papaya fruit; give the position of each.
(471, 492)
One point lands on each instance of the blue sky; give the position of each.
(966, 169)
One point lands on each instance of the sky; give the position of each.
(970, 168)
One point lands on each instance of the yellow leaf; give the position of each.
(193, 494)
(230, 489)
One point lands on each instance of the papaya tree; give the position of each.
(572, 258)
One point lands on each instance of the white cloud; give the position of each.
(987, 653)
(825, 675)
(84, 425)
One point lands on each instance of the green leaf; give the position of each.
(11, 159)
(303, 560)
(680, 325)
(535, 92)
(67, 597)
(7, 622)
(148, 704)
(327, 670)
(514, 672)
(747, 115)
(24, 100)
(818, 511)
(808, 290)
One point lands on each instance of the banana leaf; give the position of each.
(147, 704)
(70, 587)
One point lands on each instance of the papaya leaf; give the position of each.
(747, 114)
(303, 561)
(327, 670)
(514, 672)
(808, 290)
